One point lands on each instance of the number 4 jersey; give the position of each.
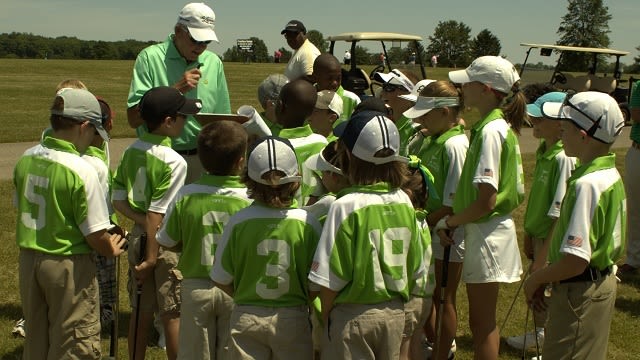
(369, 251)
(266, 253)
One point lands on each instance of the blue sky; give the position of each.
(512, 22)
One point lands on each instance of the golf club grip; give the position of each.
(141, 256)
(445, 265)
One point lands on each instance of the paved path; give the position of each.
(10, 152)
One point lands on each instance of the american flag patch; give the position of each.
(574, 241)
(314, 266)
(488, 172)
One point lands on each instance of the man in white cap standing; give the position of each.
(183, 62)
(305, 53)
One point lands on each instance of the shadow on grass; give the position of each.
(15, 354)
(629, 305)
(10, 311)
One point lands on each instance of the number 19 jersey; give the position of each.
(370, 250)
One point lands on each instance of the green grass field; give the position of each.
(27, 88)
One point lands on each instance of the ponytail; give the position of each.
(515, 107)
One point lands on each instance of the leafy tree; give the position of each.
(485, 43)
(260, 52)
(586, 24)
(635, 67)
(450, 41)
(362, 56)
(318, 40)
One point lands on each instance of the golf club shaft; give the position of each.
(443, 287)
(143, 249)
(504, 322)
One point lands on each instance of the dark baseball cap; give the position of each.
(160, 102)
(294, 26)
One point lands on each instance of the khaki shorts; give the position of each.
(416, 312)
(161, 292)
(270, 333)
(60, 305)
(579, 322)
(365, 331)
(496, 256)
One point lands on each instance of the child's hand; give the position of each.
(143, 271)
(189, 80)
(118, 244)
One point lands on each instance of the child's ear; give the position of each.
(333, 118)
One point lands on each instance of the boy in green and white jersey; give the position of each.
(589, 235)
(62, 220)
(193, 225)
(369, 254)
(146, 181)
(327, 73)
(297, 100)
(549, 183)
(264, 257)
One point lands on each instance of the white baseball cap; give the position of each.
(81, 105)
(319, 162)
(424, 104)
(273, 153)
(595, 112)
(368, 132)
(395, 77)
(200, 20)
(494, 71)
(413, 95)
(328, 99)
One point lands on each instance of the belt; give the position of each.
(635, 145)
(589, 274)
(187, 152)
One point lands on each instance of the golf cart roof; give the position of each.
(578, 49)
(376, 36)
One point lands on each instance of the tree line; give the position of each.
(586, 24)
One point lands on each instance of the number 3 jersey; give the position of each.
(370, 250)
(59, 199)
(266, 253)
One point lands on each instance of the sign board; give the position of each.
(245, 44)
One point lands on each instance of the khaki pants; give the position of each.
(359, 331)
(61, 306)
(579, 321)
(259, 332)
(204, 321)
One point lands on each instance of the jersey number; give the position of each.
(278, 271)
(394, 245)
(210, 241)
(34, 198)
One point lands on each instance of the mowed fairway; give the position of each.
(27, 89)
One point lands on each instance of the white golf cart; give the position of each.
(593, 80)
(357, 80)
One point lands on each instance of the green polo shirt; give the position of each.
(150, 174)
(406, 130)
(444, 156)
(593, 219)
(548, 186)
(58, 198)
(493, 158)
(162, 65)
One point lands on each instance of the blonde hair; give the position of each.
(71, 83)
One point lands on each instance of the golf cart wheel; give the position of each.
(626, 114)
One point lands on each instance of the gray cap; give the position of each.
(81, 105)
(270, 88)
